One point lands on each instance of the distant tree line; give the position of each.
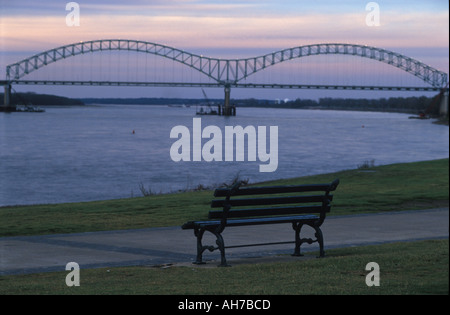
(145, 101)
(393, 104)
(397, 104)
(31, 98)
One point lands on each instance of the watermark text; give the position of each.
(73, 17)
(373, 17)
(222, 146)
(373, 277)
(73, 277)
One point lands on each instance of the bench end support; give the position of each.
(297, 226)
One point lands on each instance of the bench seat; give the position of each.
(250, 221)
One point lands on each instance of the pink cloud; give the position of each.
(266, 33)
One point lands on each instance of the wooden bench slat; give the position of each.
(219, 203)
(241, 213)
(223, 192)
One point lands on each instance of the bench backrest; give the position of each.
(272, 200)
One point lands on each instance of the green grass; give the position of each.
(405, 268)
(385, 188)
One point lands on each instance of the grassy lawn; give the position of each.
(405, 268)
(384, 188)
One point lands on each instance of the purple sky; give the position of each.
(223, 29)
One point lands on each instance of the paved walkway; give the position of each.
(171, 245)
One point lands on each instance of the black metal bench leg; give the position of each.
(297, 227)
(220, 243)
(200, 249)
(319, 237)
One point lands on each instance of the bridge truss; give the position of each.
(224, 72)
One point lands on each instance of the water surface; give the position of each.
(70, 154)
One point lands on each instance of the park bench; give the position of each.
(265, 205)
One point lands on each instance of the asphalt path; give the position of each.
(171, 246)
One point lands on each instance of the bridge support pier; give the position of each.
(7, 107)
(443, 108)
(226, 104)
(227, 109)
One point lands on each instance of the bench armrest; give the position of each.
(233, 189)
(334, 185)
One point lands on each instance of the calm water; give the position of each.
(90, 153)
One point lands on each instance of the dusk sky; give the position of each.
(223, 29)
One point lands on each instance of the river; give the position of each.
(71, 154)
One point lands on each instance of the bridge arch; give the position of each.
(19, 69)
(228, 71)
(426, 73)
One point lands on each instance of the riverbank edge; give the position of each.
(394, 187)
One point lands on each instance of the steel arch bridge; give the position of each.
(225, 72)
